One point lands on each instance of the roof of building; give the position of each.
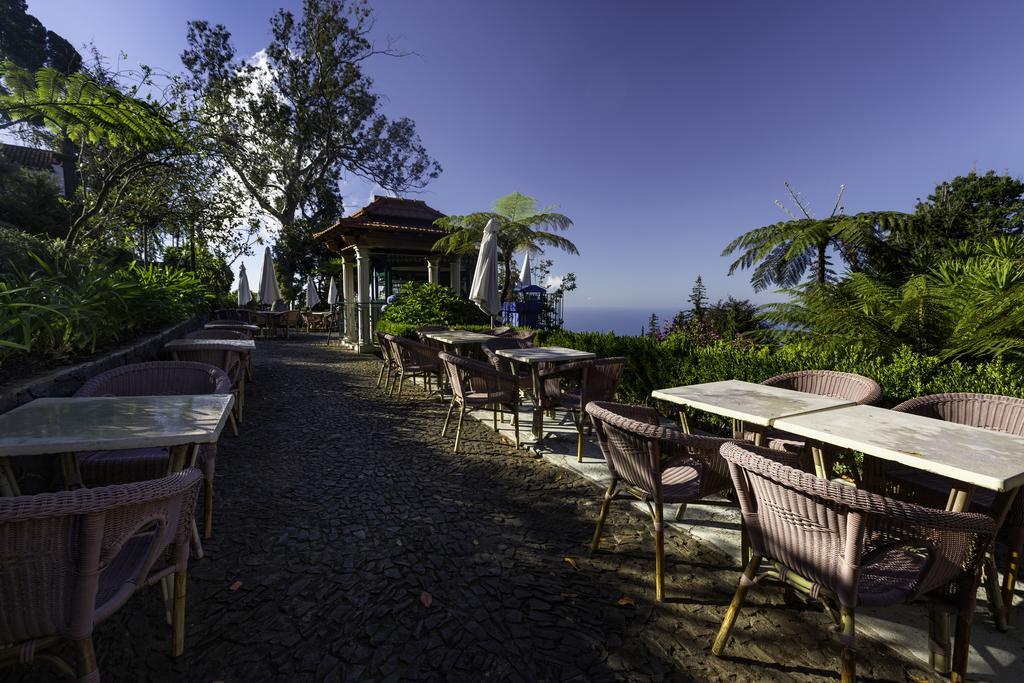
(391, 214)
(30, 157)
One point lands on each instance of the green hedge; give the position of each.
(653, 364)
(409, 331)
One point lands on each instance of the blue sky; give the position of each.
(663, 129)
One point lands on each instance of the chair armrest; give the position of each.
(563, 369)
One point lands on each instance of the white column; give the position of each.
(456, 280)
(348, 295)
(365, 341)
(433, 270)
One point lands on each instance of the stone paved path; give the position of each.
(350, 543)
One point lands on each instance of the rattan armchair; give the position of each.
(226, 334)
(658, 465)
(476, 384)
(573, 385)
(412, 358)
(850, 548)
(387, 363)
(157, 378)
(502, 364)
(72, 559)
(987, 411)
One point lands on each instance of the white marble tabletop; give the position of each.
(241, 345)
(231, 325)
(458, 337)
(65, 425)
(544, 354)
(993, 460)
(754, 403)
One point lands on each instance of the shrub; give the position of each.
(428, 304)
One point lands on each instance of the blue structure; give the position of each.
(527, 308)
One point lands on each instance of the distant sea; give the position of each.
(621, 321)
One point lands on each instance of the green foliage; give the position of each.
(426, 304)
(63, 306)
(25, 41)
(30, 200)
(209, 269)
(17, 247)
(410, 331)
(522, 226)
(903, 374)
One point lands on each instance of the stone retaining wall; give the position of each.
(64, 381)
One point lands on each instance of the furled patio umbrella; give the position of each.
(270, 293)
(312, 298)
(332, 293)
(525, 278)
(484, 292)
(244, 293)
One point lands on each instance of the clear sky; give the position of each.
(663, 129)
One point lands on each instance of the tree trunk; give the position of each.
(821, 262)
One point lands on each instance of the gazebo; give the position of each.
(383, 246)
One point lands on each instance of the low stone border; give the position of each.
(64, 381)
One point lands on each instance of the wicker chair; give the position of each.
(522, 335)
(502, 364)
(987, 411)
(656, 464)
(500, 331)
(71, 559)
(476, 384)
(843, 385)
(851, 548)
(387, 363)
(413, 358)
(226, 334)
(573, 385)
(232, 362)
(158, 378)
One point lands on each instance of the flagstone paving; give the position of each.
(350, 543)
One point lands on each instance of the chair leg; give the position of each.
(448, 417)
(938, 634)
(401, 384)
(608, 495)
(994, 592)
(233, 422)
(208, 509)
(458, 430)
(494, 417)
(515, 423)
(1015, 546)
(579, 442)
(85, 659)
(961, 646)
(680, 512)
(178, 618)
(737, 603)
(659, 553)
(380, 375)
(848, 658)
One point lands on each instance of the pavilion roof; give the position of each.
(390, 214)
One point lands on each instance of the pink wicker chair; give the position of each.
(851, 548)
(226, 334)
(158, 378)
(655, 464)
(573, 385)
(475, 385)
(412, 358)
(71, 559)
(502, 364)
(987, 411)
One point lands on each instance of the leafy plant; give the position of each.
(428, 304)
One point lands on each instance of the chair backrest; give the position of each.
(844, 385)
(385, 347)
(628, 440)
(58, 547)
(158, 378)
(217, 334)
(522, 335)
(230, 361)
(407, 352)
(490, 346)
(601, 378)
(468, 374)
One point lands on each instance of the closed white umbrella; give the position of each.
(332, 293)
(244, 293)
(312, 298)
(525, 278)
(270, 293)
(484, 292)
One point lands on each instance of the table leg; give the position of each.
(72, 475)
(538, 411)
(818, 455)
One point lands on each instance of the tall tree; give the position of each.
(522, 226)
(781, 254)
(26, 42)
(698, 298)
(291, 122)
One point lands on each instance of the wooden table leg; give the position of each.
(72, 475)
(538, 411)
(8, 482)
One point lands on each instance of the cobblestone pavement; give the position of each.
(351, 543)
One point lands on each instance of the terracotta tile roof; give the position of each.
(30, 157)
(392, 214)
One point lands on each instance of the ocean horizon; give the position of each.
(622, 321)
